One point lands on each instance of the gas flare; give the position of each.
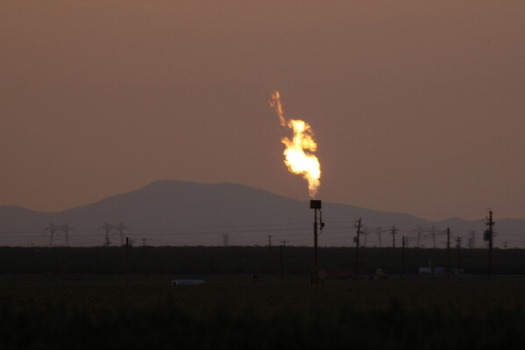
(298, 153)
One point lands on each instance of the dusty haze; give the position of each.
(417, 107)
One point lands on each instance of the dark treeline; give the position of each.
(251, 260)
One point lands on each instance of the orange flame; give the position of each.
(298, 155)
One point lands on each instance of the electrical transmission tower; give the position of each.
(458, 246)
(433, 235)
(419, 230)
(52, 228)
(472, 239)
(404, 243)
(448, 252)
(489, 237)
(358, 226)
(107, 228)
(120, 229)
(66, 228)
(379, 232)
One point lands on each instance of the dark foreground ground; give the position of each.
(61, 311)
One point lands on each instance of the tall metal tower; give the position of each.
(489, 237)
(52, 228)
(66, 228)
(121, 228)
(107, 228)
(379, 232)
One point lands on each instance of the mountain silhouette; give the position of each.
(169, 212)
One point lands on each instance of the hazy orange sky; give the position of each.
(417, 106)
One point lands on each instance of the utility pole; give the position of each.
(356, 241)
(316, 254)
(448, 252)
(127, 260)
(270, 241)
(316, 206)
(489, 235)
(393, 231)
(404, 242)
(458, 246)
(225, 239)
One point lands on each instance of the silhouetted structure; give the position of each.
(52, 228)
(316, 206)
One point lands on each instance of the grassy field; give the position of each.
(58, 311)
(240, 260)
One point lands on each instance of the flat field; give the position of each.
(56, 311)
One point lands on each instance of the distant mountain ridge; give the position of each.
(169, 212)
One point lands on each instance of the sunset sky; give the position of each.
(417, 106)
